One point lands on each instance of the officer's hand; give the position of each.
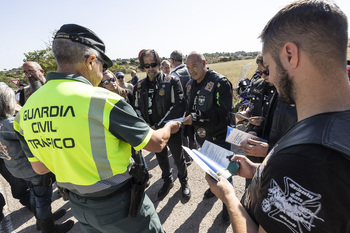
(256, 120)
(254, 148)
(246, 167)
(188, 120)
(174, 125)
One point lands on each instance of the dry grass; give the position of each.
(231, 70)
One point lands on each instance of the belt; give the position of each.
(123, 188)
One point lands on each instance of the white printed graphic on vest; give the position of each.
(39, 126)
(296, 207)
(201, 100)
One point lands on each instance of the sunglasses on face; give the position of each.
(107, 81)
(148, 65)
(120, 77)
(266, 72)
(104, 63)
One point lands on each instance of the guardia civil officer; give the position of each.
(209, 100)
(159, 97)
(84, 134)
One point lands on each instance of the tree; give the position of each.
(7, 76)
(115, 67)
(44, 57)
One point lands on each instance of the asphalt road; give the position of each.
(176, 215)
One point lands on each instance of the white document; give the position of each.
(181, 119)
(236, 136)
(214, 160)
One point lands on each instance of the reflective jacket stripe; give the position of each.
(96, 128)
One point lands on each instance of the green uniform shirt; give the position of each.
(83, 134)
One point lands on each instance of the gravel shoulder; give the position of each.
(176, 215)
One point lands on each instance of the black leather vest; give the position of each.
(205, 100)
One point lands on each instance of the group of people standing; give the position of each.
(83, 136)
(198, 95)
(90, 156)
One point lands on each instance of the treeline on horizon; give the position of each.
(46, 60)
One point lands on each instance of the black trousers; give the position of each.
(19, 188)
(175, 145)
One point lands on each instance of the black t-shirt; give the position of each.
(304, 188)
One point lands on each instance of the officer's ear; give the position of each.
(89, 60)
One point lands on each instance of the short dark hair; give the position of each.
(146, 53)
(319, 28)
(176, 55)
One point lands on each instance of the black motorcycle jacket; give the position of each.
(209, 102)
(167, 99)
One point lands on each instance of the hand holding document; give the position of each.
(241, 116)
(236, 136)
(181, 119)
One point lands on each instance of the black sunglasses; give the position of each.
(148, 65)
(120, 77)
(105, 64)
(266, 72)
(107, 81)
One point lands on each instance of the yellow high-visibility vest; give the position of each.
(66, 124)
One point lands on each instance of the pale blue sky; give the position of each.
(126, 27)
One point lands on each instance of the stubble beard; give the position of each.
(152, 74)
(285, 85)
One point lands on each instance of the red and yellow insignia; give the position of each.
(209, 86)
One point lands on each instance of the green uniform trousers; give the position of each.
(110, 215)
